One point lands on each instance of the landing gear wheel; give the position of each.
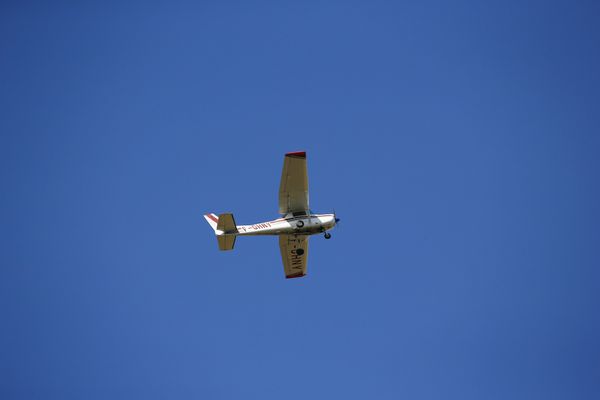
(327, 235)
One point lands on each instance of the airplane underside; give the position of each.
(293, 229)
(310, 225)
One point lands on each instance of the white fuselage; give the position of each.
(290, 225)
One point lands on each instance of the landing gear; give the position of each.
(327, 235)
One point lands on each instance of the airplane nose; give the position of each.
(337, 220)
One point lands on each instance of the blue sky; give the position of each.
(458, 142)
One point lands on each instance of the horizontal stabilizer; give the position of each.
(226, 223)
(226, 231)
(226, 242)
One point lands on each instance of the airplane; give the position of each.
(296, 224)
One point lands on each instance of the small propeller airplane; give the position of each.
(293, 228)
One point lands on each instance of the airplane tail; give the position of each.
(212, 220)
(225, 229)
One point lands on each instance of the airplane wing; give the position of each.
(293, 189)
(294, 252)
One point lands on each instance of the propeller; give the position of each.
(335, 217)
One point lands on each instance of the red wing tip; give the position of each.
(298, 275)
(301, 154)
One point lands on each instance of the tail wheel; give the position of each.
(327, 235)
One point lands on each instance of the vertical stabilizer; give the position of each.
(212, 220)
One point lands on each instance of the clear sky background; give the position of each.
(458, 141)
